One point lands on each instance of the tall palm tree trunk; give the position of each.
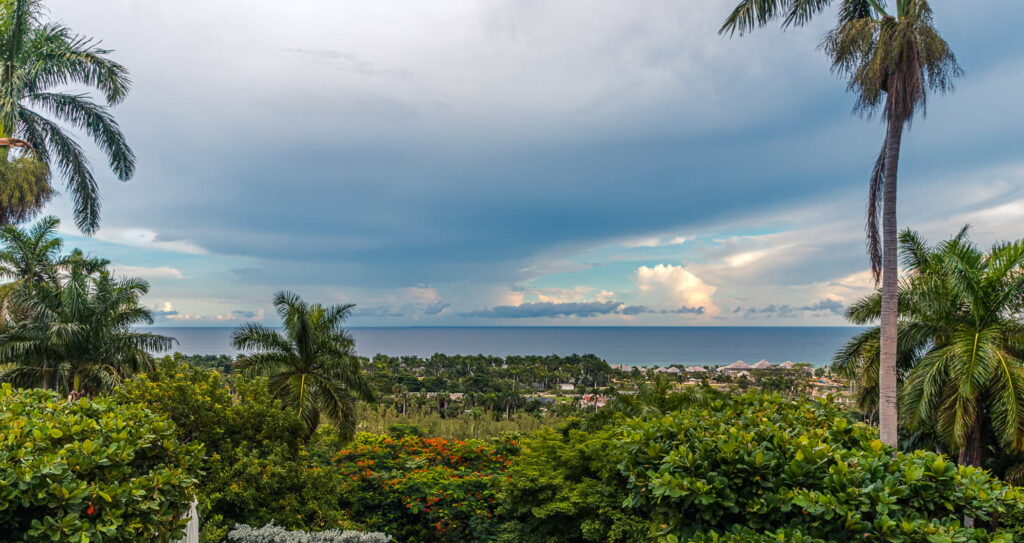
(888, 424)
(970, 455)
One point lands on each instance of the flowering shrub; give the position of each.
(275, 534)
(90, 470)
(425, 490)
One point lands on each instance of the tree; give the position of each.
(311, 364)
(891, 62)
(29, 257)
(70, 324)
(961, 351)
(36, 59)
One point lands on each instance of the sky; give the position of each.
(524, 162)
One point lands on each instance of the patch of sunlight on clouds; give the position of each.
(156, 272)
(656, 241)
(672, 286)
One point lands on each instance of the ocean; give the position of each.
(617, 345)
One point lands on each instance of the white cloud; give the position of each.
(144, 237)
(157, 272)
(669, 286)
(655, 241)
(565, 295)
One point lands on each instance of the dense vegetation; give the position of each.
(101, 442)
(961, 355)
(39, 60)
(90, 470)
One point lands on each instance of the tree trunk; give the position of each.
(970, 455)
(888, 424)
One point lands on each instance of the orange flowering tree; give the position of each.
(423, 489)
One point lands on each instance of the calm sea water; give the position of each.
(617, 345)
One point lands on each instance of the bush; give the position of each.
(258, 469)
(424, 490)
(762, 464)
(90, 470)
(565, 487)
(276, 534)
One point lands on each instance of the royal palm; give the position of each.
(891, 60)
(37, 60)
(70, 323)
(961, 345)
(311, 364)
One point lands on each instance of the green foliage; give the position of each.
(24, 188)
(90, 471)
(276, 534)
(566, 487)
(961, 345)
(69, 323)
(257, 470)
(458, 423)
(311, 363)
(220, 362)
(765, 463)
(423, 490)
(39, 58)
(482, 374)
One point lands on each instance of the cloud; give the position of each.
(341, 60)
(659, 127)
(674, 286)
(157, 272)
(377, 311)
(575, 309)
(436, 308)
(826, 306)
(144, 237)
(551, 309)
(164, 310)
(657, 241)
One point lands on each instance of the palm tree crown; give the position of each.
(961, 344)
(69, 323)
(311, 364)
(891, 62)
(36, 59)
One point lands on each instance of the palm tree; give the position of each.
(36, 59)
(891, 62)
(77, 334)
(29, 257)
(961, 352)
(311, 364)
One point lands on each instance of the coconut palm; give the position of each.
(961, 344)
(78, 335)
(37, 58)
(891, 61)
(311, 363)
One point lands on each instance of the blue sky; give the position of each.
(525, 162)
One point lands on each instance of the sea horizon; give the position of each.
(632, 345)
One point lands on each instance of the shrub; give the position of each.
(275, 534)
(761, 463)
(257, 470)
(565, 487)
(90, 470)
(424, 490)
